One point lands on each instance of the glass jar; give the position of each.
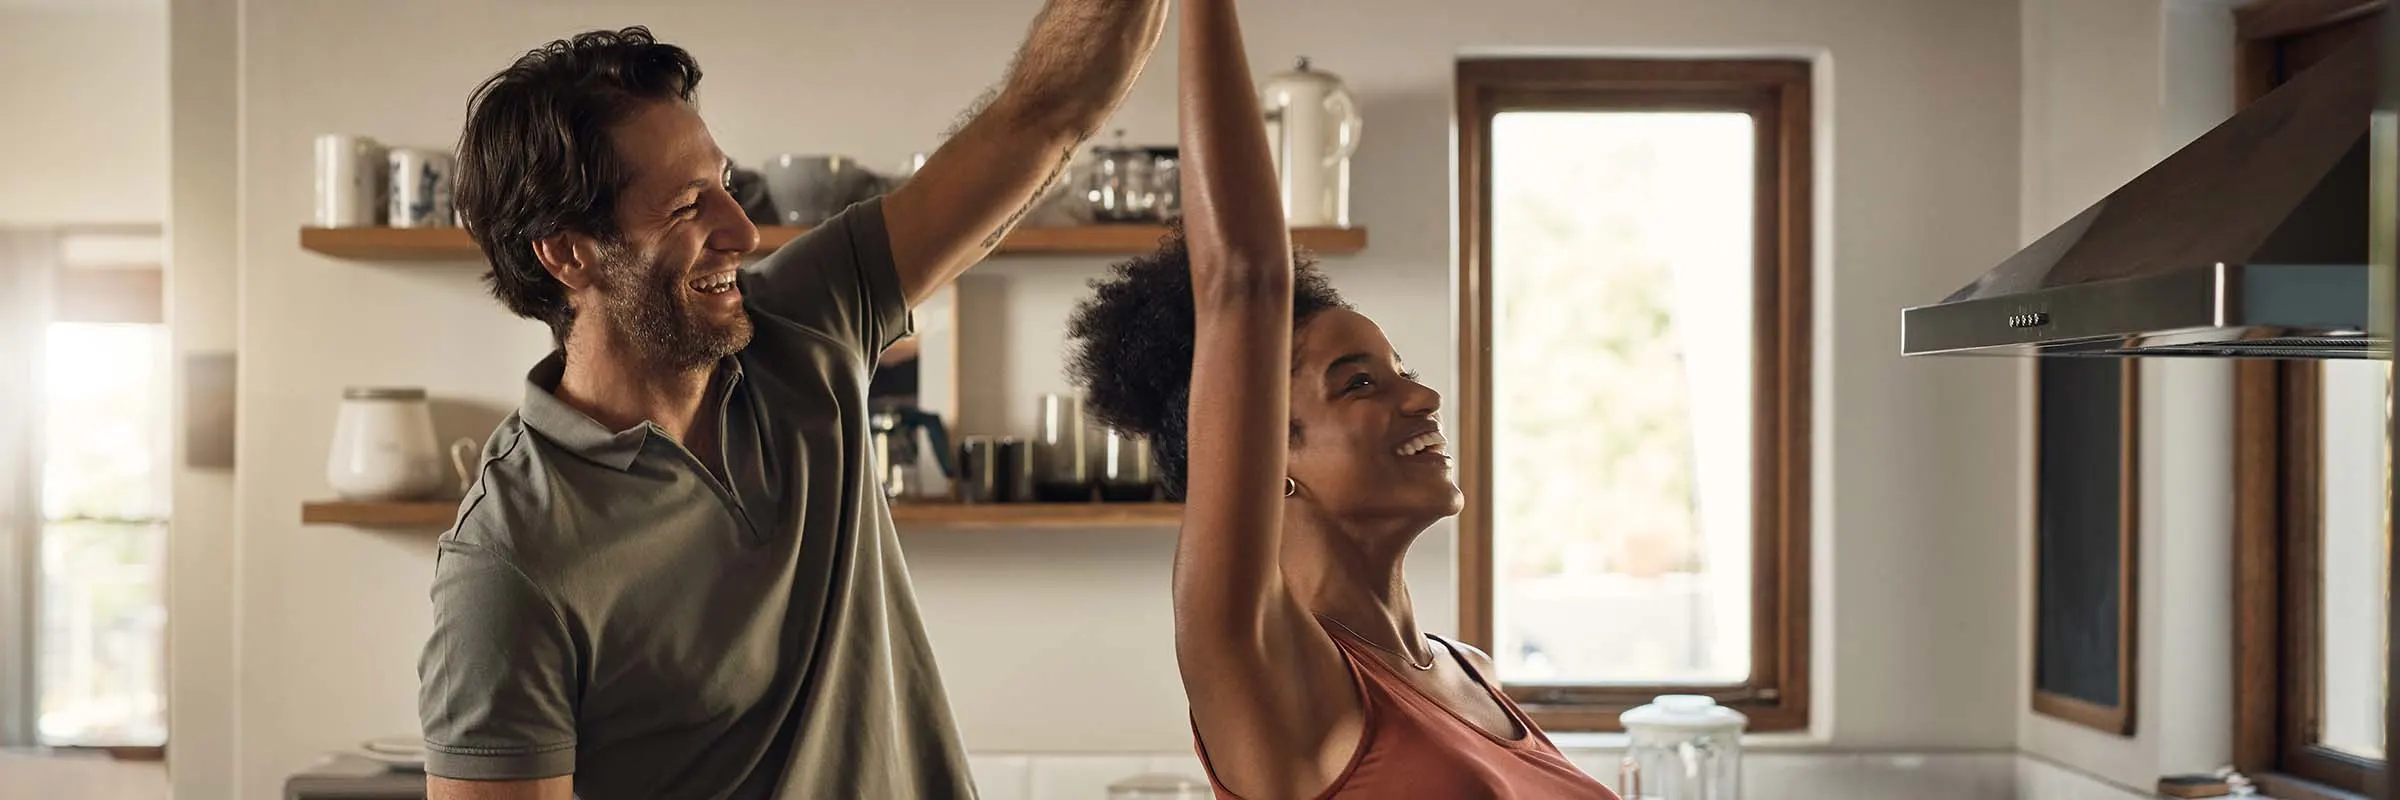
(1683, 747)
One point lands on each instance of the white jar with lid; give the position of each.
(1683, 747)
(383, 446)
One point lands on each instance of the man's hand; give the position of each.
(1074, 69)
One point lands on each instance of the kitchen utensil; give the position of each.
(1123, 185)
(994, 469)
(420, 187)
(894, 433)
(1159, 786)
(383, 446)
(808, 189)
(1124, 470)
(349, 181)
(1682, 747)
(1312, 129)
(1062, 467)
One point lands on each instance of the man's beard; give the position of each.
(649, 309)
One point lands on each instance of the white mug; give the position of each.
(463, 452)
(349, 181)
(420, 188)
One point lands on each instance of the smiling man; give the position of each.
(673, 577)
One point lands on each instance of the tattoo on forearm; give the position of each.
(1065, 157)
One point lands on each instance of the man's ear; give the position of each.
(572, 258)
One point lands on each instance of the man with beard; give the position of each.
(673, 577)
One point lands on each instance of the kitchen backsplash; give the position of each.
(1783, 776)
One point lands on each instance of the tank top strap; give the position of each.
(1373, 679)
(1533, 733)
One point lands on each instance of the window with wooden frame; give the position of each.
(1634, 369)
(2312, 574)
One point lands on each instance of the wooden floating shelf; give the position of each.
(438, 514)
(452, 244)
(1037, 515)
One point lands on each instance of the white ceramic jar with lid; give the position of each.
(383, 446)
(1683, 747)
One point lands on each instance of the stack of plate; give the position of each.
(396, 752)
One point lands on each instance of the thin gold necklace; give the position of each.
(1411, 660)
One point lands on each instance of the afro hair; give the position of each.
(1130, 345)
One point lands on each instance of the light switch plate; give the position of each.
(208, 410)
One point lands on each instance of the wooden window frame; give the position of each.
(2278, 528)
(2278, 570)
(1777, 93)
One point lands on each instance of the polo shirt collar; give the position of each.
(578, 432)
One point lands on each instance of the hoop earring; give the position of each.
(1290, 487)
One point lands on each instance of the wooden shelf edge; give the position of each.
(374, 514)
(438, 514)
(453, 245)
(1037, 515)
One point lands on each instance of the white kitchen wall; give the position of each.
(202, 114)
(2110, 88)
(1056, 642)
(84, 96)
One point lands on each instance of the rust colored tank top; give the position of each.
(1412, 746)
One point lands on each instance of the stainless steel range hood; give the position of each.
(2250, 242)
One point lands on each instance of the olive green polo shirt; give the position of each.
(607, 608)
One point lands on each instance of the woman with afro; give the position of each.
(1309, 458)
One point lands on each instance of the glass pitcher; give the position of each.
(1683, 747)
